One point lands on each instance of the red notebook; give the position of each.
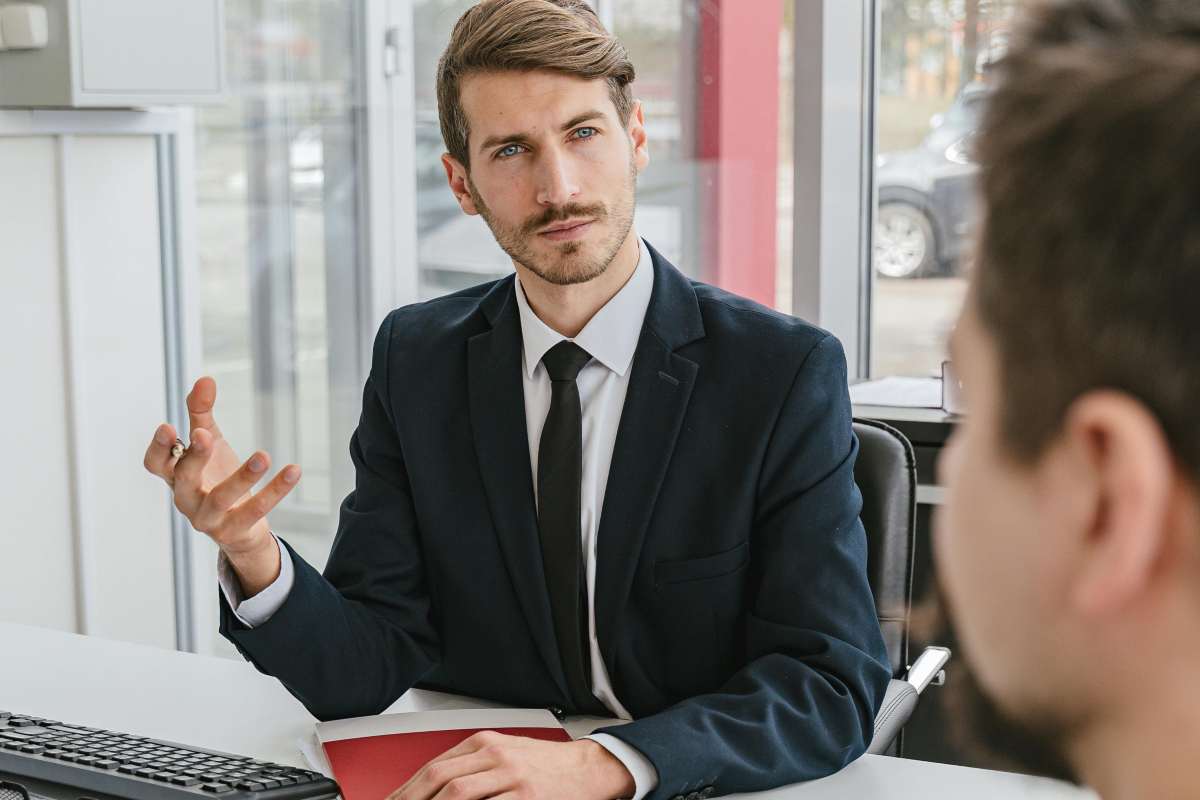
(371, 757)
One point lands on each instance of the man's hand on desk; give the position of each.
(212, 489)
(494, 765)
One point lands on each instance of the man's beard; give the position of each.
(569, 265)
(1031, 742)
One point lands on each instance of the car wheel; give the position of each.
(904, 246)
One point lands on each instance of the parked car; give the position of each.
(926, 203)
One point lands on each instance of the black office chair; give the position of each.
(886, 474)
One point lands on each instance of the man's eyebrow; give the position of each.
(525, 138)
(586, 116)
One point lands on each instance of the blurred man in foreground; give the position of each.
(1069, 548)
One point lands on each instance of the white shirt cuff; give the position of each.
(645, 776)
(256, 610)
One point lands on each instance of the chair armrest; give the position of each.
(901, 697)
(898, 704)
(927, 668)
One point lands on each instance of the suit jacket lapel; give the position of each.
(660, 386)
(497, 404)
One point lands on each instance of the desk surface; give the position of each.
(228, 705)
(936, 416)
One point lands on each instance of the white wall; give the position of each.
(85, 542)
(35, 490)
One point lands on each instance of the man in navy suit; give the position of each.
(594, 486)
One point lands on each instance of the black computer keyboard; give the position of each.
(99, 762)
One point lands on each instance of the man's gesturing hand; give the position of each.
(212, 489)
(493, 765)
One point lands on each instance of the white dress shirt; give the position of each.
(610, 337)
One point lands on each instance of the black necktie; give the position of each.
(560, 472)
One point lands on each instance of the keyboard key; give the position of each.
(106, 764)
(163, 776)
(217, 788)
(250, 786)
(185, 780)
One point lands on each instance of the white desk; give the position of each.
(228, 705)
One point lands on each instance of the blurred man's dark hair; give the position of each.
(1089, 259)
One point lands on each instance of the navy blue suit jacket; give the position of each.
(732, 605)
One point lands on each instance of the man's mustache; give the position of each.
(563, 213)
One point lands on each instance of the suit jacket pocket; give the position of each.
(697, 569)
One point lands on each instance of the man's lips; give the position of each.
(568, 230)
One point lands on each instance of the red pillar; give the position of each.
(737, 131)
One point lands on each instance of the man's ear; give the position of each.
(457, 177)
(637, 136)
(1120, 445)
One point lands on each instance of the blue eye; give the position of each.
(509, 151)
(590, 132)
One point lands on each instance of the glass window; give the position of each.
(931, 83)
(278, 227)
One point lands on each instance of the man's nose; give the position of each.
(556, 182)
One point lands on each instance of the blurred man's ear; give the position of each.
(637, 135)
(1123, 452)
(457, 177)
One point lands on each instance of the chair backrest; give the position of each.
(886, 474)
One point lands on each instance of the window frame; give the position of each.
(834, 176)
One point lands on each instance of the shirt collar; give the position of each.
(611, 335)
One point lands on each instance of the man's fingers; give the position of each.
(189, 472)
(158, 460)
(434, 777)
(222, 496)
(476, 786)
(258, 505)
(200, 402)
(469, 747)
(471, 744)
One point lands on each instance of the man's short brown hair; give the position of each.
(563, 36)
(1089, 257)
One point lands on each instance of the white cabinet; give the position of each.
(119, 54)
